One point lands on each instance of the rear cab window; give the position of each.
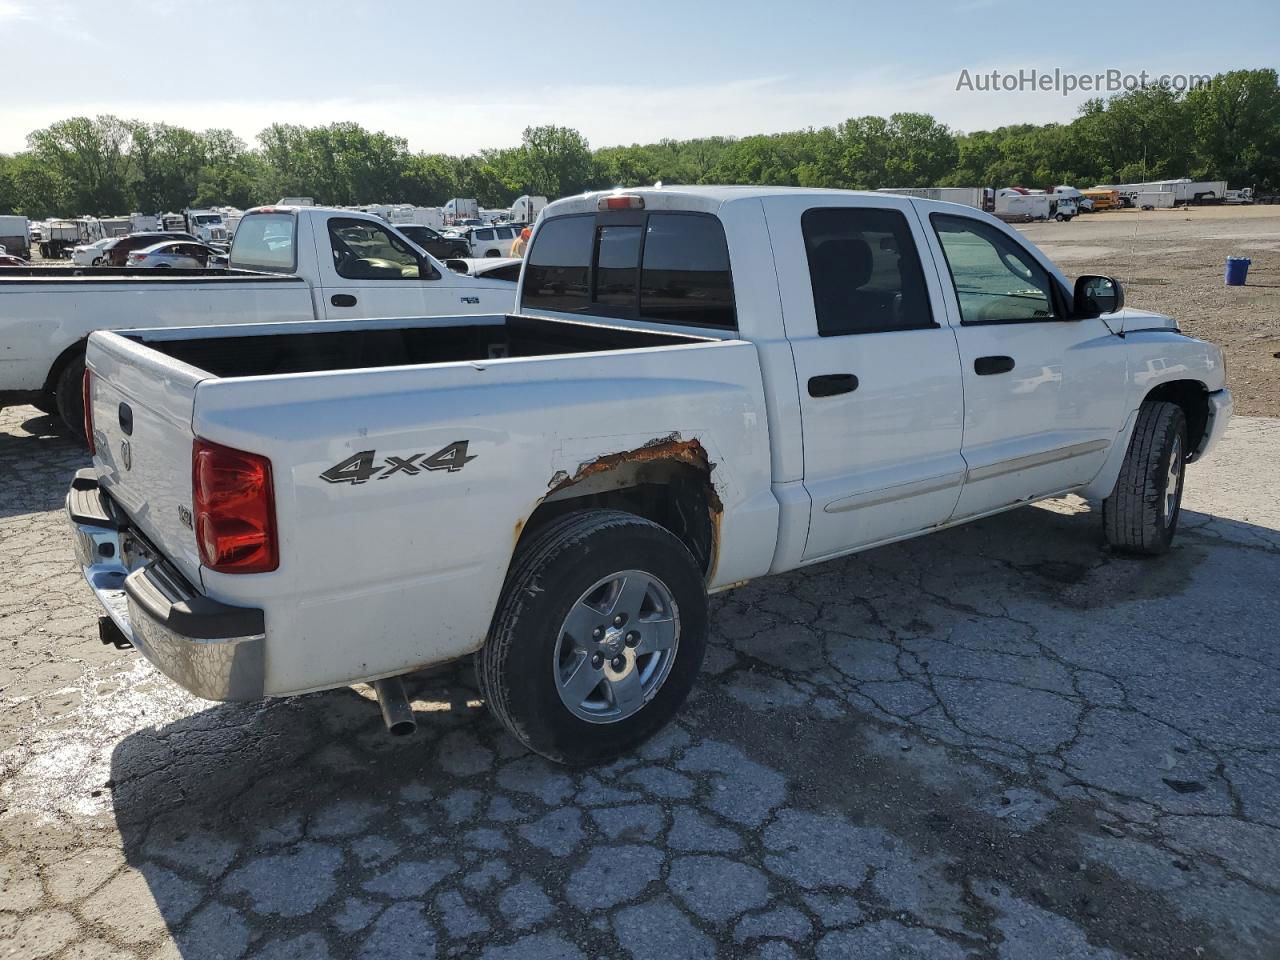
(660, 266)
(266, 241)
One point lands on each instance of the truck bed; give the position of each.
(271, 349)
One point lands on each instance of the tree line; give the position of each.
(1228, 130)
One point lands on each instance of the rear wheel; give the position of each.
(598, 637)
(68, 397)
(1141, 515)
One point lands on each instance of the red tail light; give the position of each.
(234, 506)
(86, 394)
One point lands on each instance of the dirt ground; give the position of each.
(1172, 261)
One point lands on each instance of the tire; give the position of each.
(97, 261)
(1141, 515)
(1059, 217)
(68, 395)
(492, 253)
(531, 653)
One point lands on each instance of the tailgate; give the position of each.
(142, 403)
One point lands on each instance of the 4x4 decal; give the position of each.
(359, 467)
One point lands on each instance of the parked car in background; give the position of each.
(489, 241)
(276, 509)
(92, 254)
(174, 255)
(119, 249)
(491, 268)
(9, 260)
(434, 242)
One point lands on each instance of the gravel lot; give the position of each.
(1171, 261)
(996, 742)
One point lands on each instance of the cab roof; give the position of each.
(709, 199)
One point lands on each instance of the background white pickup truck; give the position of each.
(703, 386)
(287, 263)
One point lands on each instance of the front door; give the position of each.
(1043, 391)
(375, 273)
(879, 375)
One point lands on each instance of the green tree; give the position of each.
(91, 157)
(1236, 125)
(551, 161)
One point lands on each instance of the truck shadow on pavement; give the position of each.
(997, 741)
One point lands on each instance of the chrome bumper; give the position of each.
(211, 649)
(1220, 407)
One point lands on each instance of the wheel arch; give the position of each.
(1193, 397)
(667, 481)
(66, 357)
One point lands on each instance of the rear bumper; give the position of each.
(1220, 407)
(211, 649)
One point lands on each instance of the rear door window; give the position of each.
(265, 241)
(865, 271)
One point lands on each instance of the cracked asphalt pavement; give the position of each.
(1001, 741)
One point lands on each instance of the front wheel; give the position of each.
(1141, 515)
(598, 636)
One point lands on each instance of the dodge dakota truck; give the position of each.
(287, 263)
(700, 386)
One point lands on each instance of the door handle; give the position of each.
(986, 366)
(343, 300)
(832, 384)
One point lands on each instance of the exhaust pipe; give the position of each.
(396, 712)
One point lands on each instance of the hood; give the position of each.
(1132, 320)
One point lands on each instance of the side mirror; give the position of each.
(1095, 296)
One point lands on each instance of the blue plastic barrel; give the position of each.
(1237, 271)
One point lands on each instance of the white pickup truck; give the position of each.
(701, 386)
(287, 263)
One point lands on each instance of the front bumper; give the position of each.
(211, 649)
(1220, 407)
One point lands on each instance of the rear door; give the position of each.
(373, 272)
(1044, 393)
(880, 387)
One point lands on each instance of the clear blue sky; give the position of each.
(456, 77)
